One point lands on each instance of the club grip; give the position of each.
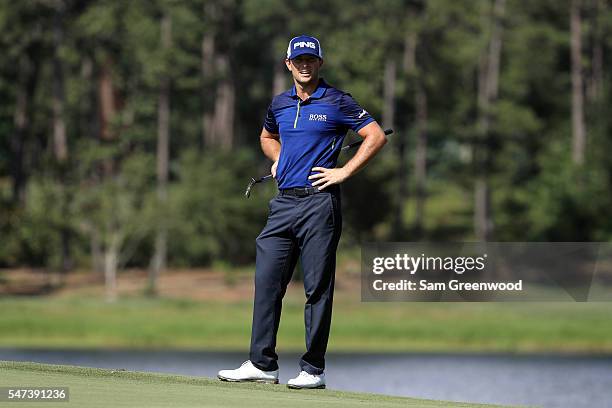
(355, 144)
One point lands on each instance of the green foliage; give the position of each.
(573, 203)
(109, 186)
(361, 221)
(42, 221)
(214, 220)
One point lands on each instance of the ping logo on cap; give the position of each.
(308, 44)
(304, 44)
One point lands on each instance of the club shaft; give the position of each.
(358, 143)
(347, 147)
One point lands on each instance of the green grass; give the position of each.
(186, 324)
(91, 387)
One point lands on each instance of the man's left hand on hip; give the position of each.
(328, 177)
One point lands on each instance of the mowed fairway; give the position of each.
(91, 387)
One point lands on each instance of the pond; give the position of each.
(535, 380)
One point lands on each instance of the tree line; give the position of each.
(130, 128)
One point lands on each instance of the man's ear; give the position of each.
(321, 64)
(288, 64)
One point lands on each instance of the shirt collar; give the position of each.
(317, 94)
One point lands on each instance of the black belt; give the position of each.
(299, 191)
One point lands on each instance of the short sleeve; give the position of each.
(270, 123)
(353, 115)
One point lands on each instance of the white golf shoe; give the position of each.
(248, 372)
(305, 380)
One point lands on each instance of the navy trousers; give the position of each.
(306, 228)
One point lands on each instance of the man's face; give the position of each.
(304, 68)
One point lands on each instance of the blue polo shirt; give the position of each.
(311, 131)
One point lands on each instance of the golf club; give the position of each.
(254, 181)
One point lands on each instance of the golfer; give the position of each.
(302, 134)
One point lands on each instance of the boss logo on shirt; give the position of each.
(318, 117)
